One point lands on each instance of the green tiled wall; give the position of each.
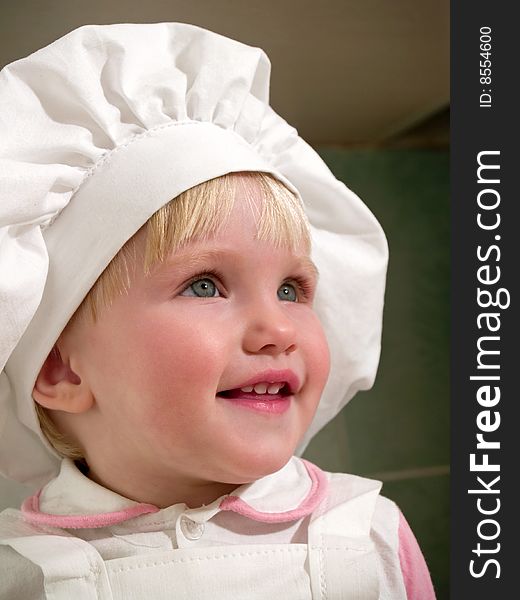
(399, 430)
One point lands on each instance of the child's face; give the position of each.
(210, 320)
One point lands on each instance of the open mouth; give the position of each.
(259, 391)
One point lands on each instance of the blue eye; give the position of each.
(288, 293)
(202, 288)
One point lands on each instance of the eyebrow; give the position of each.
(309, 266)
(188, 261)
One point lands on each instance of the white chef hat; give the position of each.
(100, 129)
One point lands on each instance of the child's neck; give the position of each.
(155, 491)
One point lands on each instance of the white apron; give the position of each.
(339, 562)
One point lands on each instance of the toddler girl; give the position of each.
(167, 345)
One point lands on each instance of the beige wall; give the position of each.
(344, 71)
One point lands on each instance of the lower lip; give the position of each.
(273, 405)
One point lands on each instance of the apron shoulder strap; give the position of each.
(71, 567)
(342, 559)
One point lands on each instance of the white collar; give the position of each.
(73, 501)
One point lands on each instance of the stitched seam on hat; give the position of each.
(148, 133)
(207, 558)
(108, 154)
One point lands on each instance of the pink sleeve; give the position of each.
(416, 576)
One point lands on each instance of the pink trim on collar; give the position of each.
(316, 494)
(31, 512)
(31, 508)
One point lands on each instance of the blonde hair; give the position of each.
(196, 213)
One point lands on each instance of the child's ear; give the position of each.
(57, 386)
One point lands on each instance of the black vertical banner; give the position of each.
(485, 171)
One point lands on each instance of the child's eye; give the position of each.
(299, 289)
(288, 292)
(201, 288)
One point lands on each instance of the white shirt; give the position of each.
(276, 509)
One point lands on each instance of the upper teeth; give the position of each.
(262, 388)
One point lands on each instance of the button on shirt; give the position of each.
(191, 530)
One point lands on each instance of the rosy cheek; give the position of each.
(320, 354)
(173, 353)
(324, 358)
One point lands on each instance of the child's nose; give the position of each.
(270, 331)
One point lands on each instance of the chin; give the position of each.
(256, 465)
